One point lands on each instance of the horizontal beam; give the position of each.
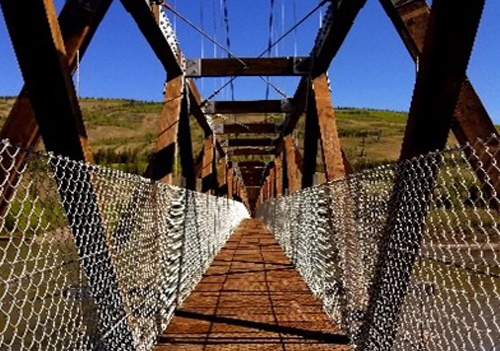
(228, 67)
(247, 128)
(252, 106)
(251, 152)
(250, 142)
(251, 164)
(252, 181)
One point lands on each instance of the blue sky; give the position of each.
(372, 69)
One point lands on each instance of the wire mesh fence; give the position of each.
(405, 256)
(97, 259)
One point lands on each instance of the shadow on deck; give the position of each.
(251, 298)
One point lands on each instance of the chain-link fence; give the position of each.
(96, 259)
(405, 256)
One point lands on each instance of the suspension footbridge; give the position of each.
(249, 250)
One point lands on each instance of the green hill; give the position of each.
(124, 131)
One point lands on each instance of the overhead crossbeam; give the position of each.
(250, 142)
(229, 67)
(251, 164)
(248, 107)
(252, 152)
(248, 128)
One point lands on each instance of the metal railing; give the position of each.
(404, 256)
(97, 259)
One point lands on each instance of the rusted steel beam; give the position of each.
(162, 162)
(252, 152)
(249, 128)
(291, 164)
(329, 138)
(448, 44)
(228, 67)
(248, 107)
(336, 25)
(149, 26)
(250, 142)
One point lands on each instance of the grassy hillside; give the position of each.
(124, 131)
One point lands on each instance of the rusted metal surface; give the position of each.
(251, 298)
(227, 67)
(329, 137)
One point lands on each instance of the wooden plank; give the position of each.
(329, 138)
(448, 44)
(162, 162)
(228, 67)
(148, 25)
(293, 179)
(250, 128)
(250, 142)
(248, 107)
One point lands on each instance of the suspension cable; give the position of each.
(295, 26)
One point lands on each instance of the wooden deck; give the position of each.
(251, 298)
